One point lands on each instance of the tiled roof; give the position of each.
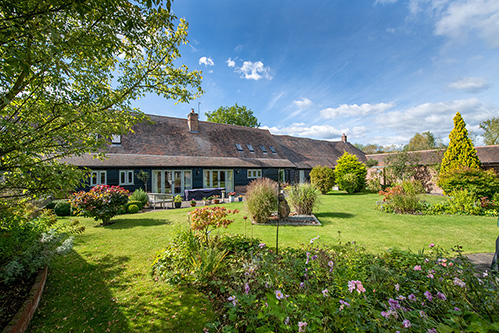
(306, 153)
(168, 142)
(486, 154)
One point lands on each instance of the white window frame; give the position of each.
(116, 139)
(129, 177)
(98, 178)
(254, 173)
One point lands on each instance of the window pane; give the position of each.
(207, 182)
(130, 177)
(187, 180)
(93, 178)
(103, 177)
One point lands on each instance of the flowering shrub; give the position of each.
(102, 202)
(261, 199)
(403, 198)
(344, 288)
(202, 219)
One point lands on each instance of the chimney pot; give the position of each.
(344, 138)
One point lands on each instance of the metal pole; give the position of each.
(277, 230)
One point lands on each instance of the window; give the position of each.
(254, 173)
(116, 139)
(272, 149)
(98, 178)
(250, 148)
(239, 147)
(263, 149)
(126, 177)
(219, 178)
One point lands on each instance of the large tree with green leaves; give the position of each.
(350, 173)
(233, 115)
(423, 141)
(69, 71)
(460, 152)
(491, 128)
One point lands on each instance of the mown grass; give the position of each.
(105, 283)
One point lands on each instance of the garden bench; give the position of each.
(160, 198)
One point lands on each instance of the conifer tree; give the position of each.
(460, 152)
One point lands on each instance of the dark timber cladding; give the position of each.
(193, 147)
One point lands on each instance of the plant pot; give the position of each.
(178, 204)
(240, 199)
(216, 201)
(231, 199)
(193, 204)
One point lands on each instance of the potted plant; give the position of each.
(231, 196)
(177, 201)
(193, 203)
(207, 201)
(216, 199)
(240, 198)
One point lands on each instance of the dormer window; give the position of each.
(264, 150)
(272, 149)
(250, 148)
(239, 147)
(116, 139)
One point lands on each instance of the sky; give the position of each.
(379, 71)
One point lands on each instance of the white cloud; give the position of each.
(304, 103)
(355, 110)
(231, 63)
(470, 84)
(254, 71)
(481, 16)
(436, 117)
(206, 61)
(325, 132)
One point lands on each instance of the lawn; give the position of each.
(105, 283)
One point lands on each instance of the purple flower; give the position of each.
(432, 330)
(459, 282)
(286, 321)
(406, 323)
(325, 293)
(397, 287)
(428, 295)
(430, 276)
(342, 302)
(246, 288)
(394, 304)
(302, 284)
(389, 313)
(422, 314)
(314, 257)
(457, 309)
(441, 296)
(233, 299)
(302, 326)
(401, 298)
(278, 294)
(411, 297)
(261, 245)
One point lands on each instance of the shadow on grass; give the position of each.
(123, 223)
(336, 215)
(336, 193)
(77, 296)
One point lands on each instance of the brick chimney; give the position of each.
(344, 138)
(193, 122)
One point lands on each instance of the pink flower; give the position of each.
(233, 299)
(302, 326)
(406, 323)
(246, 288)
(428, 295)
(397, 287)
(342, 302)
(411, 297)
(261, 245)
(356, 284)
(311, 241)
(325, 293)
(459, 282)
(441, 296)
(431, 245)
(417, 268)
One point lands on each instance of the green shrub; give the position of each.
(132, 209)
(403, 198)
(102, 202)
(322, 178)
(139, 195)
(464, 202)
(62, 208)
(303, 198)
(482, 183)
(178, 198)
(29, 241)
(133, 202)
(261, 199)
(349, 164)
(374, 183)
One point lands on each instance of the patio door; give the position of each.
(219, 178)
(171, 182)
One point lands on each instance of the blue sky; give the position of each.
(378, 70)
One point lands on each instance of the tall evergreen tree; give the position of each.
(460, 152)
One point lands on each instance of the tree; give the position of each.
(144, 177)
(402, 165)
(322, 178)
(423, 141)
(491, 128)
(68, 74)
(350, 173)
(460, 152)
(234, 115)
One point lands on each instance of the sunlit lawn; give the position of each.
(105, 283)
